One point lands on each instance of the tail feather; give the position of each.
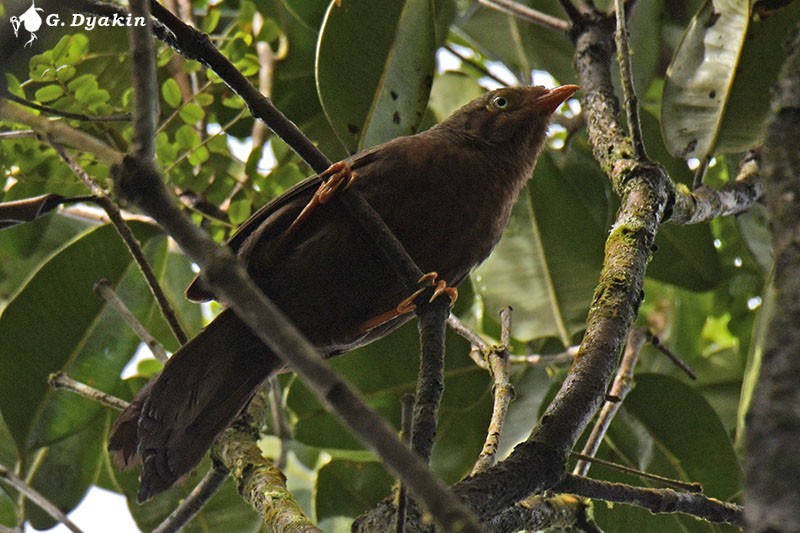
(174, 420)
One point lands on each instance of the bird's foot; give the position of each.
(408, 305)
(337, 176)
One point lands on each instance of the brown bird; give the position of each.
(446, 193)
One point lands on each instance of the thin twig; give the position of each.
(468, 333)
(121, 117)
(124, 231)
(503, 393)
(38, 498)
(700, 172)
(195, 501)
(103, 288)
(279, 423)
(668, 482)
(626, 75)
(564, 357)
(17, 134)
(60, 380)
(60, 132)
(623, 383)
(406, 430)
(677, 361)
(475, 64)
(528, 14)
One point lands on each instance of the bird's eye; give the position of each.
(500, 102)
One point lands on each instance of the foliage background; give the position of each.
(334, 72)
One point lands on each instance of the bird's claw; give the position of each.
(441, 287)
(337, 175)
(408, 305)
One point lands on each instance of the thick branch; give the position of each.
(772, 467)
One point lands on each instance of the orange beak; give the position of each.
(553, 98)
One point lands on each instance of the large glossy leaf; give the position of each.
(47, 326)
(701, 75)
(294, 83)
(548, 262)
(667, 428)
(762, 57)
(391, 64)
(64, 472)
(347, 487)
(717, 91)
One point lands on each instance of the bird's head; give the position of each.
(520, 114)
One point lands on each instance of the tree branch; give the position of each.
(655, 500)
(773, 423)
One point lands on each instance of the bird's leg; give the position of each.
(338, 175)
(408, 305)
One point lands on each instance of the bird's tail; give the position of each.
(174, 419)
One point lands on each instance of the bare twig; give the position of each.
(124, 231)
(195, 501)
(60, 380)
(406, 429)
(103, 288)
(526, 13)
(58, 131)
(564, 357)
(503, 393)
(677, 361)
(279, 423)
(476, 65)
(38, 498)
(655, 500)
(122, 117)
(667, 482)
(626, 75)
(623, 383)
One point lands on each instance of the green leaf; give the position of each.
(687, 438)
(309, 12)
(66, 470)
(450, 91)
(187, 137)
(392, 66)
(686, 257)
(548, 262)
(667, 428)
(717, 91)
(192, 113)
(171, 93)
(347, 487)
(46, 325)
(762, 57)
(48, 93)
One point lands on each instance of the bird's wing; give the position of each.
(298, 195)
